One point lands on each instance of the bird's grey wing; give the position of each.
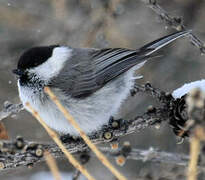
(89, 70)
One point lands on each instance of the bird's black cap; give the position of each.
(35, 56)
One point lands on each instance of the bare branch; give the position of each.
(12, 155)
(28, 157)
(174, 22)
(19, 152)
(153, 155)
(10, 109)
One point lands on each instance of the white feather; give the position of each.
(90, 113)
(54, 64)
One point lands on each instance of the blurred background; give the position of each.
(100, 24)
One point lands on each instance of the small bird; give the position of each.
(90, 83)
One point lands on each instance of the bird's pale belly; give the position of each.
(90, 113)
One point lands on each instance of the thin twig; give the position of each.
(194, 156)
(13, 157)
(174, 22)
(76, 175)
(52, 165)
(55, 137)
(10, 109)
(94, 148)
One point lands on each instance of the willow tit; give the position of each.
(90, 83)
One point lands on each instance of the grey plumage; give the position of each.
(91, 83)
(90, 69)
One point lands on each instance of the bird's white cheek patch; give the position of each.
(54, 64)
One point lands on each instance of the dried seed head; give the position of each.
(32, 146)
(126, 144)
(133, 92)
(39, 152)
(5, 150)
(19, 137)
(157, 126)
(114, 145)
(115, 124)
(148, 85)
(179, 28)
(107, 135)
(178, 20)
(168, 95)
(19, 143)
(2, 166)
(30, 165)
(126, 148)
(1, 145)
(120, 160)
(151, 109)
(84, 158)
(152, 2)
(75, 138)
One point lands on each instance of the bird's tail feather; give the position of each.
(159, 43)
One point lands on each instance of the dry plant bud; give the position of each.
(126, 149)
(84, 158)
(30, 166)
(157, 126)
(3, 132)
(114, 145)
(1, 145)
(126, 144)
(151, 109)
(115, 124)
(2, 166)
(107, 135)
(120, 160)
(179, 28)
(39, 152)
(19, 142)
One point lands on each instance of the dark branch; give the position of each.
(18, 153)
(174, 22)
(10, 109)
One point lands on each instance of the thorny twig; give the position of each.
(174, 22)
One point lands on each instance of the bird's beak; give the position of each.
(18, 72)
